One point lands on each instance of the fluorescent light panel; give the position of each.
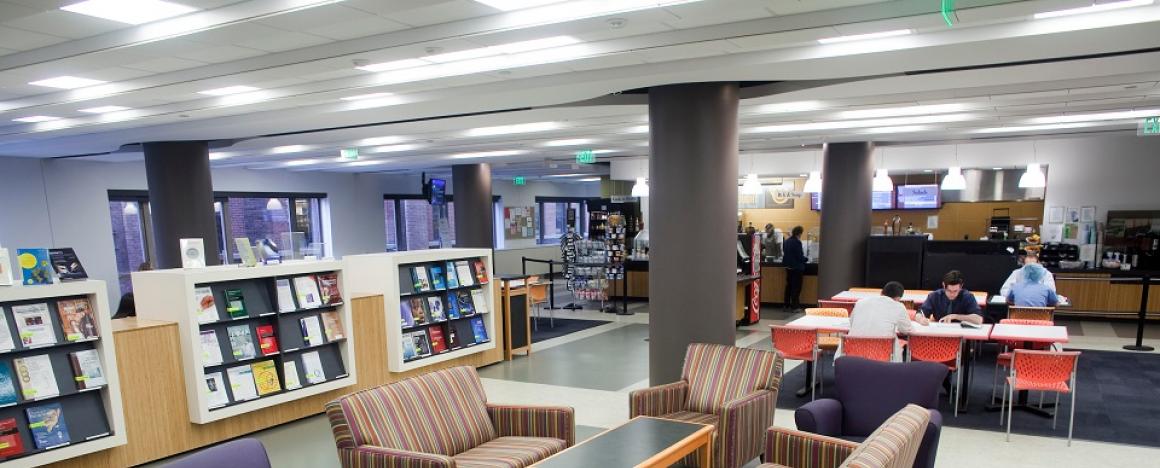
(36, 119)
(513, 129)
(790, 107)
(487, 154)
(377, 141)
(510, 5)
(301, 162)
(67, 82)
(288, 149)
(899, 129)
(104, 109)
(477, 53)
(369, 162)
(1032, 128)
(394, 148)
(1118, 115)
(228, 90)
(1099, 7)
(367, 96)
(129, 11)
(589, 179)
(572, 142)
(869, 123)
(865, 37)
(902, 111)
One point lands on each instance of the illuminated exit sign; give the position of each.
(1150, 126)
(349, 154)
(519, 180)
(948, 12)
(585, 157)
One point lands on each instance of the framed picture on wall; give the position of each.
(1072, 215)
(1055, 215)
(1087, 214)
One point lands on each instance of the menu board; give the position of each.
(918, 197)
(878, 201)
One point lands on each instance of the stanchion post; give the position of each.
(524, 266)
(551, 285)
(1146, 281)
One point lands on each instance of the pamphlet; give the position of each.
(211, 351)
(87, 371)
(215, 388)
(241, 342)
(464, 272)
(36, 377)
(192, 253)
(290, 373)
(206, 306)
(242, 383)
(236, 304)
(307, 289)
(8, 395)
(285, 296)
(6, 343)
(66, 264)
(311, 330)
(246, 251)
(48, 426)
(77, 319)
(34, 325)
(34, 266)
(312, 365)
(266, 377)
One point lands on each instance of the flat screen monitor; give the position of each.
(437, 190)
(918, 197)
(878, 201)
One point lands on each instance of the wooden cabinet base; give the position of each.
(153, 390)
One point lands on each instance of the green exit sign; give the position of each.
(585, 157)
(948, 12)
(520, 181)
(350, 154)
(1151, 126)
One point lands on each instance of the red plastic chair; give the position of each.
(797, 343)
(946, 350)
(1045, 371)
(874, 348)
(826, 304)
(1004, 358)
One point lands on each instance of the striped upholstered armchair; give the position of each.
(733, 389)
(893, 445)
(442, 420)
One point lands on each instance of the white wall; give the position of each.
(525, 195)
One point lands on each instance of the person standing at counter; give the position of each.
(772, 242)
(953, 302)
(1016, 276)
(794, 258)
(1032, 291)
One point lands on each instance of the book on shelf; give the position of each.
(332, 326)
(419, 312)
(481, 276)
(466, 303)
(267, 340)
(312, 366)
(452, 278)
(419, 275)
(438, 343)
(77, 319)
(480, 301)
(246, 251)
(328, 288)
(453, 306)
(422, 344)
(206, 305)
(34, 266)
(236, 304)
(47, 425)
(311, 330)
(11, 444)
(34, 325)
(242, 383)
(7, 386)
(87, 372)
(406, 320)
(5, 268)
(437, 278)
(66, 264)
(435, 307)
(192, 253)
(453, 338)
(215, 390)
(290, 373)
(211, 350)
(241, 342)
(463, 270)
(479, 330)
(266, 377)
(307, 289)
(408, 347)
(6, 342)
(285, 295)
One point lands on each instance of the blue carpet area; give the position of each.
(562, 327)
(1116, 399)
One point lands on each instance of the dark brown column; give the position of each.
(180, 199)
(847, 176)
(471, 186)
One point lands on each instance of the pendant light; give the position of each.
(641, 188)
(274, 204)
(814, 183)
(882, 182)
(954, 179)
(752, 186)
(1033, 177)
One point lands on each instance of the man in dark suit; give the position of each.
(795, 265)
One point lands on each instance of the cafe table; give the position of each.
(916, 295)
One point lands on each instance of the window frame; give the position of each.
(581, 219)
(401, 227)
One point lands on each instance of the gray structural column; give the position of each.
(180, 199)
(693, 206)
(471, 186)
(847, 176)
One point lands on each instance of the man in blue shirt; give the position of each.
(794, 258)
(952, 303)
(1032, 291)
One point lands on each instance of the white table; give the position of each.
(918, 296)
(1002, 301)
(1029, 333)
(820, 323)
(953, 329)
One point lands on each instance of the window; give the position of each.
(413, 224)
(553, 219)
(132, 240)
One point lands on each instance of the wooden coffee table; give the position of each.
(641, 442)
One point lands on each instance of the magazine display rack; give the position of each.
(254, 337)
(60, 395)
(432, 316)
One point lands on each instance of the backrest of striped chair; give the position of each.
(895, 443)
(718, 374)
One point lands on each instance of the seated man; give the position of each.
(1032, 291)
(883, 316)
(1016, 275)
(952, 303)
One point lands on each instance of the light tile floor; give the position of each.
(593, 371)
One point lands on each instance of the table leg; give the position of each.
(705, 453)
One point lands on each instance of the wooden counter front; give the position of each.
(157, 420)
(773, 286)
(1103, 298)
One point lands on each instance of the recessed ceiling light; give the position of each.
(1093, 8)
(129, 11)
(637, 129)
(35, 119)
(367, 96)
(394, 148)
(228, 90)
(898, 129)
(219, 155)
(487, 154)
(996, 168)
(605, 151)
(67, 82)
(928, 171)
(104, 109)
(789, 107)
(288, 149)
(572, 142)
(368, 162)
(589, 179)
(509, 5)
(513, 129)
(1033, 128)
(865, 37)
(901, 111)
(376, 141)
(1119, 115)
(393, 65)
(302, 162)
(510, 48)
(869, 123)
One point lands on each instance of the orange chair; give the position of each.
(797, 343)
(875, 348)
(1004, 358)
(1031, 313)
(847, 305)
(1046, 371)
(538, 297)
(947, 350)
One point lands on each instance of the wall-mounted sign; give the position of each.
(585, 157)
(1150, 126)
(349, 154)
(948, 11)
(520, 180)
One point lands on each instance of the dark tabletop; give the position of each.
(628, 445)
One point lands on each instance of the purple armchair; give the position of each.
(241, 453)
(869, 393)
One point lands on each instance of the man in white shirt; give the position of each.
(1016, 276)
(883, 316)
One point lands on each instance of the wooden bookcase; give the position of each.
(94, 417)
(169, 295)
(388, 274)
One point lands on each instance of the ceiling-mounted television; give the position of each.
(878, 201)
(918, 197)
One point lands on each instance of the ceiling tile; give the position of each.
(303, 20)
(790, 7)
(361, 27)
(219, 54)
(282, 41)
(609, 61)
(20, 39)
(63, 23)
(235, 33)
(165, 64)
(436, 12)
(709, 13)
(686, 51)
(10, 11)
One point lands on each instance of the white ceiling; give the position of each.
(302, 54)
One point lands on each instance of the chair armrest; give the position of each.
(659, 400)
(742, 424)
(820, 417)
(534, 421)
(369, 456)
(796, 449)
